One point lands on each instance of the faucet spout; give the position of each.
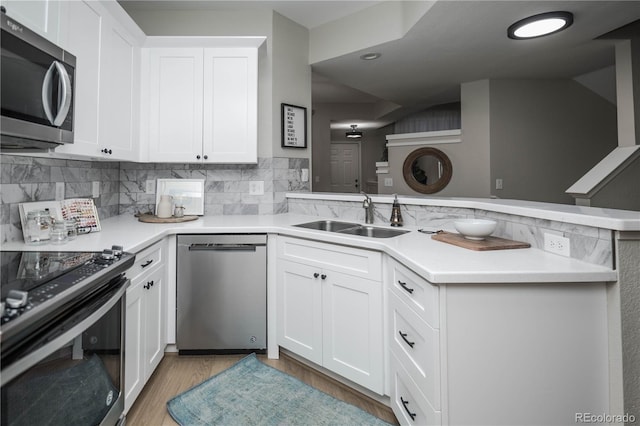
(368, 206)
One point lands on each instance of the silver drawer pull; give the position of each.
(404, 337)
(223, 247)
(404, 404)
(405, 287)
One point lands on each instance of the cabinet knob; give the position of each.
(206, 157)
(323, 276)
(197, 157)
(106, 151)
(148, 285)
(316, 275)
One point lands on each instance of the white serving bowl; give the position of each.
(475, 229)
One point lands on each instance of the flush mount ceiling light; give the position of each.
(540, 25)
(370, 56)
(353, 133)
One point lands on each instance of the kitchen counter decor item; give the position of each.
(81, 210)
(488, 243)
(475, 229)
(151, 218)
(165, 206)
(187, 193)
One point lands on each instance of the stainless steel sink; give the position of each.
(352, 229)
(372, 231)
(327, 225)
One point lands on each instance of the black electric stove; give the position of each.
(36, 286)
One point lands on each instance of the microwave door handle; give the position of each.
(46, 90)
(65, 99)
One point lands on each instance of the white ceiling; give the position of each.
(455, 41)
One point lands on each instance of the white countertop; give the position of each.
(614, 219)
(436, 261)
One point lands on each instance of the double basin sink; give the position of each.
(352, 229)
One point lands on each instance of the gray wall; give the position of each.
(622, 192)
(545, 135)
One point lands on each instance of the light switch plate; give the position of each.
(388, 181)
(150, 187)
(304, 175)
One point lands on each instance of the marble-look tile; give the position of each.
(280, 163)
(236, 186)
(213, 209)
(50, 162)
(189, 174)
(4, 213)
(131, 186)
(224, 175)
(78, 190)
(15, 159)
(241, 209)
(30, 173)
(44, 191)
(16, 193)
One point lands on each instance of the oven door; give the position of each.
(70, 373)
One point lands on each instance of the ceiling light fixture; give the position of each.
(353, 133)
(370, 56)
(540, 25)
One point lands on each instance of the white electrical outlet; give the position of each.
(150, 187)
(304, 175)
(95, 189)
(388, 181)
(557, 244)
(256, 187)
(59, 190)
(498, 183)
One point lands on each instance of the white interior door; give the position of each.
(345, 167)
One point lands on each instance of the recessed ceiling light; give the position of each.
(370, 56)
(540, 25)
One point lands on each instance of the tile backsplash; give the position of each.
(123, 184)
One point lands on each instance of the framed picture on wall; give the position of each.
(294, 126)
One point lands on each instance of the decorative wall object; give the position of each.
(294, 126)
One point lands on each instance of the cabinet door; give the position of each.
(83, 39)
(40, 16)
(118, 129)
(300, 310)
(175, 104)
(154, 334)
(230, 105)
(134, 351)
(353, 329)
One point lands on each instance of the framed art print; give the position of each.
(294, 126)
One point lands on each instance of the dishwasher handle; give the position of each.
(223, 247)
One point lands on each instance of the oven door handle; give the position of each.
(72, 326)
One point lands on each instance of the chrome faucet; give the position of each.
(368, 208)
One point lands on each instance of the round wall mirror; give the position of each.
(427, 170)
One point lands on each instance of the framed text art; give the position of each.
(294, 126)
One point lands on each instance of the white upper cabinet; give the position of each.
(175, 104)
(200, 104)
(107, 49)
(40, 16)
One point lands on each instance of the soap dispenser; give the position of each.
(396, 216)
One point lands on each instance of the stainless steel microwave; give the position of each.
(37, 90)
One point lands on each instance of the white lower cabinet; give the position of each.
(329, 308)
(145, 335)
(415, 347)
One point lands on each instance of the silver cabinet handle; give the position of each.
(64, 103)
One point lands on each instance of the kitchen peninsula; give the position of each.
(499, 336)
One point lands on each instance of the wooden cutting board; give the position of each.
(489, 243)
(151, 218)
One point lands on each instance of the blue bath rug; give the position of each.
(253, 393)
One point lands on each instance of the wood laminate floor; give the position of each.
(176, 374)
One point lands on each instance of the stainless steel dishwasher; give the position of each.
(222, 293)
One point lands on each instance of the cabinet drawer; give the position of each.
(147, 260)
(406, 402)
(357, 262)
(417, 346)
(417, 292)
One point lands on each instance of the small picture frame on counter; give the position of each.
(294, 126)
